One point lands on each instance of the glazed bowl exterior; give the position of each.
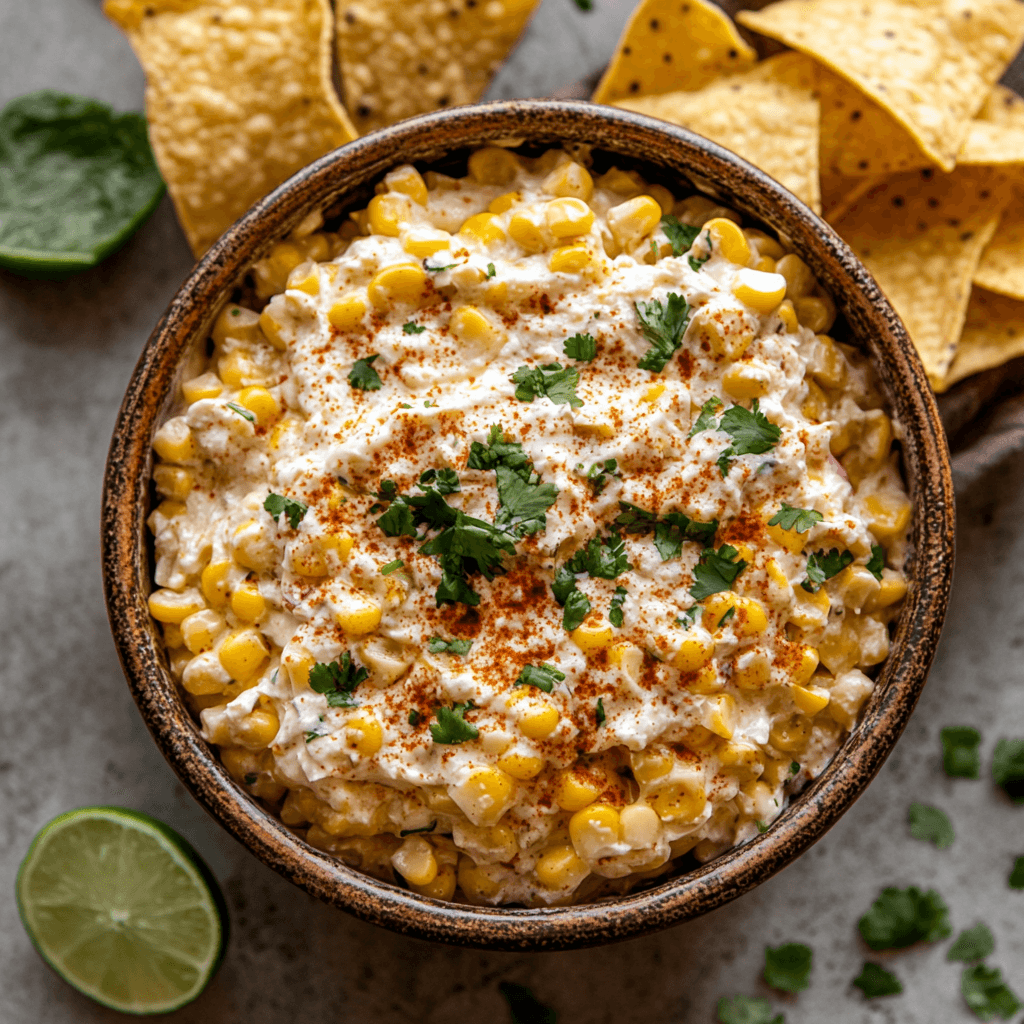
(346, 177)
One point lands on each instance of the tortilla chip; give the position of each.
(1002, 263)
(404, 57)
(673, 46)
(997, 133)
(839, 193)
(993, 334)
(768, 115)
(930, 63)
(921, 235)
(238, 98)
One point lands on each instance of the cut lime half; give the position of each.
(123, 909)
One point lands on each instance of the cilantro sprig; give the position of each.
(663, 326)
(1008, 768)
(604, 557)
(901, 917)
(543, 676)
(987, 994)
(293, 510)
(798, 519)
(670, 530)
(822, 566)
(696, 262)
(961, 758)
(788, 967)
(930, 825)
(599, 474)
(552, 380)
(875, 981)
(681, 236)
(745, 1010)
(436, 645)
(751, 431)
(451, 726)
(876, 563)
(363, 376)
(716, 571)
(337, 680)
(615, 614)
(707, 418)
(413, 328)
(244, 413)
(581, 347)
(973, 944)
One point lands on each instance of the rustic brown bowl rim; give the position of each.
(872, 321)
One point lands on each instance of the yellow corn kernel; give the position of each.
(627, 657)
(741, 759)
(816, 404)
(248, 603)
(649, 766)
(204, 675)
(407, 180)
(570, 179)
(661, 195)
(347, 313)
(746, 381)
(231, 369)
(787, 314)
(206, 385)
(521, 766)
(526, 232)
(868, 454)
(478, 882)
(485, 795)
(720, 716)
(716, 607)
(621, 182)
(357, 613)
(815, 312)
(640, 826)
(575, 788)
(750, 618)
(694, 652)
(171, 606)
(568, 218)
(364, 735)
(810, 609)
(474, 330)
(214, 583)
(283, 259)
(765, 264)
(401, 282)
(888, 515)
(757, 289)
(442, 887)
(799, 279)
(200, 629)
(810, 700)
(766, 245)
(728, 336)
(776, 574)
(243, 653)
(752, 671)
(261, 403)
(172, 636)
(173, 481)
(305, 278)
(560, 868)
(386, 213)
(300, 806)
(792, 541)
(633, 220)
(705, 680)
(492, 166)
(236, 322)
(893, 588)
(173, 441)
(539, 722)
(257, 730)
(592, 635)
(805, 666)
(484, 228)
(840, 651)
(253, 547)
(297, 662)
(166, 510)
(680, 802)
(593, 829)
(728, 240)
(317, 247)
(858, 586)
(653, 393)
(423, 242)
(414, 860)
(791, 734)
(504, 202)
(570, 259)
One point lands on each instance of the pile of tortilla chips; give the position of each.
(885, 116)
(240, 93)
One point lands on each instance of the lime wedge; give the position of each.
(123, 909)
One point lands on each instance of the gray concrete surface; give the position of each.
(70, 735)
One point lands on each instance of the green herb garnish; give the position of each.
(598, 474)
(416, 831)
(451, 726)
(244, 413)
(901, 917)
(412, 328)
(696, 262)
(337, 680)
(875, 981)
(663, 327)
(973, 944)
(250, 778)
(877, 561)
(761, 826)
(670, 530)
(431, 269)
(275, 504)
(599, 714)
(615, 616)
(961, 758)
(1016, 879)
(744, 1010)
(987, 994)
(681, 236)
(543, 676)
(1008, 768)
(414, 717)
(438, 646)
(551, 380)
(604, 557)
(788, 967)
(490, 270)
(799, 519)
(363, 376)
(822, 566)
(387, 570)
(931, 825)
(716, 571)
(445, 481)
(707, 418)
(751, 432)
(582, 347)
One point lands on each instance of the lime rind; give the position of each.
(123, 909)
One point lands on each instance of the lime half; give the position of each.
(121, 907)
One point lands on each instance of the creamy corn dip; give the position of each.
(533, 533)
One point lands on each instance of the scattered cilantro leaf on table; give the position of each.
(931, 825)
(363, 376)
(663, 327)
(788, 967)
(973, 944)
(543, 676)
(436, 645)
(337, 680)
(987, 994)
(716, 571)
(751, 431)
(877, 561)
(615, 616)
(901, 917)
(294, 510)
(582, 347)
(798, 519)
(822, 566)
(552, 380)
(744, 1010)
(1008, 768)
(681, 236)
(1016, 879)
(413, 328)
(961, 758)
(451, 726)
(875, 981)
(522, 1003)
(707, 420)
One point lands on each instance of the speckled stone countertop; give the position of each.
(70, 735)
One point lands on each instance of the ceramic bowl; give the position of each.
(346, 177)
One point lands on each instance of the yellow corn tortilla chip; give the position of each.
(767, 115)
(993, 334)
(238, 98)
(997, 133)
(930, 63)
(673, 46)
(404, 57)
(839, 192)
(921, 235)
(1002, 263)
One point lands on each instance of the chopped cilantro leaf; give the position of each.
(416, 831)
(438, 646)
(706, 419)
(446, 481)
(490, 270)
(583, 5)
(987, 994)
(599, 472)
(387, 570)
(615, 616)
(681, 236)
(901, 917)
(696, 262)
(430, 268)
(451, 726)
(788, 967)
(799, 519)
(973, 944)
(716, 571)
(1016, 879)
(337, 680)
(244, 413)
(876, 981)
(751, 432)
(931, 825)
(604, 557)
(363, 376)
(663, 327)
(313, 735)
(761, 826)
(405, 405)
(543, 676)
(294, 510)
(551, 380)
(577, 607)
(599, 714)
(794, 768)
(523, 503)
(582, 347)
(388, 490)
(877, 561)
(823, 566)
(729, 613)
(688, 617)
(669, 531)
(499, 451)
(522, 1003)
(414, 717)
(413, 328)
(960, 756)
(744, 1010)
(1008, 768)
